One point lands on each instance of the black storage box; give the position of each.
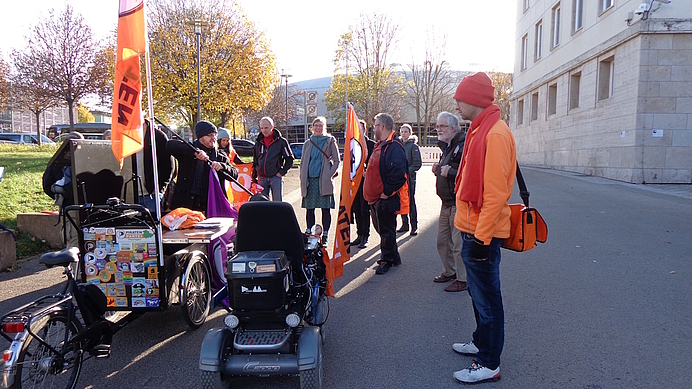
(257, 280)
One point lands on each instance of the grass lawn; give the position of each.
(21, 190)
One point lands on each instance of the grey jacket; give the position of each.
(412, 157)
(328, 171)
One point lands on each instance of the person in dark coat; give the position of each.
(272, 159)
(449, 240)
(192, 184)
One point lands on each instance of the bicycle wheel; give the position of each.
(38, 366)
(195, 296)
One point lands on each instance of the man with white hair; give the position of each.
(451, 141)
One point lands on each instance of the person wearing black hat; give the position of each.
(192, 184)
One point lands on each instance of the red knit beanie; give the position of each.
(476, 89)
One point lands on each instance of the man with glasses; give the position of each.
(451, 141)
(192, 184)
(385, 183)
(272, 159)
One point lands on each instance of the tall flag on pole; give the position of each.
(126, 129)
(355, 153)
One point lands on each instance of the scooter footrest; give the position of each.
(261, 340)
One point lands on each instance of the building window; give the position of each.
(539, 41)
(520, 112)
(555, 27)
(534, 106)
(527, 4)
(524, 52)
(552, 99)
(606, 70)
(577, 15)
(574, 81)
(605, 5)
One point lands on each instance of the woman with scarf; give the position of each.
(318, 167)
(192, 184)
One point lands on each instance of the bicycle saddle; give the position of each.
(60, 258)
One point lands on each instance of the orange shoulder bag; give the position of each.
(528, 226)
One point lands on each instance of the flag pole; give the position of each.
(152, 138)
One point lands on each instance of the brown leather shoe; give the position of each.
(443, 278)
(456, 286)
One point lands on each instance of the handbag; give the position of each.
(528, 226)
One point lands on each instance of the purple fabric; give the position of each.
(218, 206)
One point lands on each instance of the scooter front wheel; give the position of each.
(38, 366)
(214, 380)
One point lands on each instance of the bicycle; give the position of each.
(51, 336)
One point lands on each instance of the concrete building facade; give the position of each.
(604, 88)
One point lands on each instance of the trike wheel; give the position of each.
(312, 378)
(38, 366)
(214, 380)
(195, 296)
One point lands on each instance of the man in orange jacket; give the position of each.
(484, 185)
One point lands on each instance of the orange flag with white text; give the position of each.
(355, 153)
(126, 128)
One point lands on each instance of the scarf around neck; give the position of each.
(473, 158)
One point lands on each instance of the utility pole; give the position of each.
(286, 76)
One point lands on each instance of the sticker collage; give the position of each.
(123, 263)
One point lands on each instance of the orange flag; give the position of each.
(236, 195)
(126, 129)
(355, 153)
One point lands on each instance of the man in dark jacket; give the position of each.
(384, 180)
(414, 164)
(451, 141)
(192, 184)
(271, 160)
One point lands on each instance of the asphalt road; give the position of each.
(605, 303)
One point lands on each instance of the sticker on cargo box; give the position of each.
(266, 268)
(238, 267)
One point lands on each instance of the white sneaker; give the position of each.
(477, 373)
(465, 348)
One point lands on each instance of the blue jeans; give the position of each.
(275, 184)
(484, 287)
(149, 202)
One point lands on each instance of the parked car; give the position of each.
(93, 136)
(23, 138)
(297, 149)
(243, 147)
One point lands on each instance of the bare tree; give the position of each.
(63, 54)
(429, 86)
(363, 51)
(29, 90)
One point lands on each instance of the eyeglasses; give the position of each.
(441, 126)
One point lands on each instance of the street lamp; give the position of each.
(198, 24)
(286, 76)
